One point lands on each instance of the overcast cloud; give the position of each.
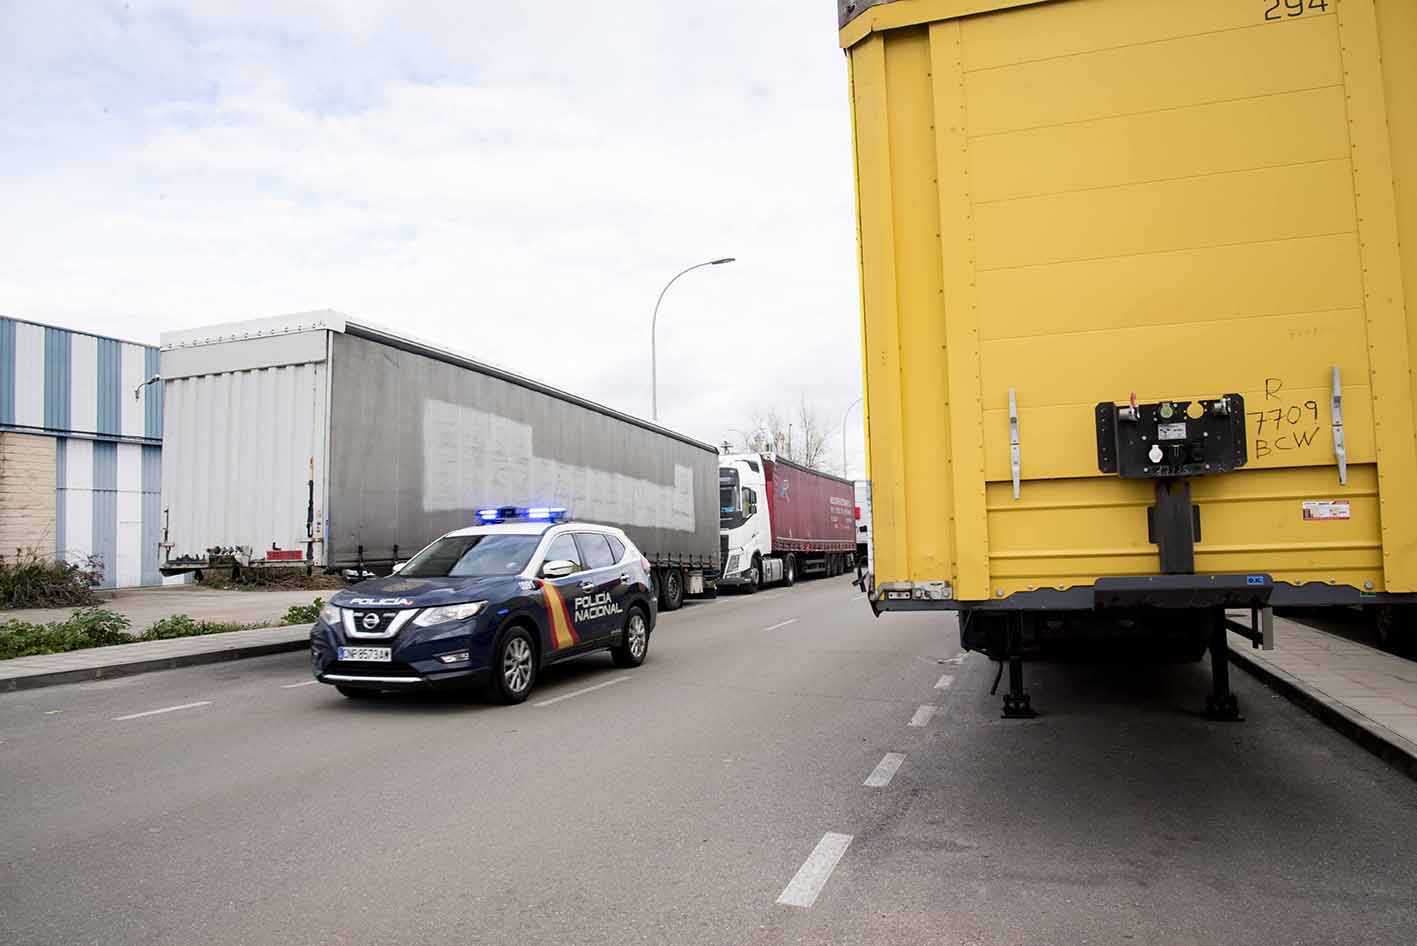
(515, 181)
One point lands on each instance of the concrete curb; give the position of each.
(147, 665)
(1387, 746)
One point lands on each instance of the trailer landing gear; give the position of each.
(1221, 704)
(1016, 702)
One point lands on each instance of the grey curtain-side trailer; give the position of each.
(319, 441)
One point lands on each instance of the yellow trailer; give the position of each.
(1136, 278)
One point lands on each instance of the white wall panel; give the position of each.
(130, 515)
(83, 383)
(133, 416)
(77, 497)
(29, 375)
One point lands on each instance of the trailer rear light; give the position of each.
(858, 512)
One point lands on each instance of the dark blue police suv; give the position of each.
(490, 605)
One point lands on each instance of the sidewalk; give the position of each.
(97, 663)
(1368, 695)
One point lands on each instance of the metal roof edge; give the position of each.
(314, 320)
(77, 331)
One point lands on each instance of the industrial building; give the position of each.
(81, 450)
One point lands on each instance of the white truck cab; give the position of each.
(744, 529)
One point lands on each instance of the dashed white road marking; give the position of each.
(945, 682)
(52, 712)
(957, 659)
(303, 683)
(582, 692)
(781, 624)
(923, 714)
(165, 709)
(812, 876)
(885, 770)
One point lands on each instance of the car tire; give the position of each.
(789, 571)
(634, 640)
(671, 595)
(514, 666)
(356, 693)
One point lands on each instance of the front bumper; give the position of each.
(414, 662)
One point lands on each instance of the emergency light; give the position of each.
(493, 515)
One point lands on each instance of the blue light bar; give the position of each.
(491, 515)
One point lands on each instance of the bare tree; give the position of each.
(798, 433)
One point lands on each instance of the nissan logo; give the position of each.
(370, 621)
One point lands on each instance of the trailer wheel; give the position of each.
(789, 570)
(671, 595)
(1396, 627)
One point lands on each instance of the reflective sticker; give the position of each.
(1171, 431)
(1254, 579)
(1316, 510)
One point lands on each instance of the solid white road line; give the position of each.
(303, 683)
(781, 624)
(885, 770)
(567, 696)
(922, 715)
(165, 709)
(814, 873)
(944, 682)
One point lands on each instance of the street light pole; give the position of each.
(654, 334)
(844, 415)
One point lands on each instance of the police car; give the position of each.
(490, 605)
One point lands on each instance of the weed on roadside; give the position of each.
(31, 580)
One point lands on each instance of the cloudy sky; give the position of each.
(515, 181)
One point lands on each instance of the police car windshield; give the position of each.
(470, 556)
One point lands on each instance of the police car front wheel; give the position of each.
(514, 670)
(633, 646)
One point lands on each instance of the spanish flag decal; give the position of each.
(563, 632)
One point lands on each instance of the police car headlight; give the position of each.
(330, 615)
(451, 612)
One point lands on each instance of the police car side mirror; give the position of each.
(398, 567)
(559, 568)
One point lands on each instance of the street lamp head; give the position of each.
(720, 262)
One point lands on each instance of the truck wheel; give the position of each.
(1396, 625)
(634, 643)
(671, 593)
(755, 576)
(789, 571)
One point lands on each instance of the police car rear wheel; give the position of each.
(515, 667)
(634, 644)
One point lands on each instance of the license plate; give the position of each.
(366, 654)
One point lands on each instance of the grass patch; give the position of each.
(30, 580)
(98, 627)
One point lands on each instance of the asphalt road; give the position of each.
(681, 802)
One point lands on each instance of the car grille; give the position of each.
(384, 619)
(362, 669)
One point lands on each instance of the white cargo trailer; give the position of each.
(319, 441)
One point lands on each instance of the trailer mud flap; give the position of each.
(1183, 591)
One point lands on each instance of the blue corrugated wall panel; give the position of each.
(60, 478)
(56, 378)
(7, 371)
(110, 387)
(152, 512)
(105, 510)
(152, 405)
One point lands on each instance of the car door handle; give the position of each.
(624, 578)
(587, 586)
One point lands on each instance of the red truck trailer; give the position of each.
(779, 520)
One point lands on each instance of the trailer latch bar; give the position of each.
(1014, 457)
(1336, 409)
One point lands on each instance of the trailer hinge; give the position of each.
(1013, 439)
(1336, 408)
